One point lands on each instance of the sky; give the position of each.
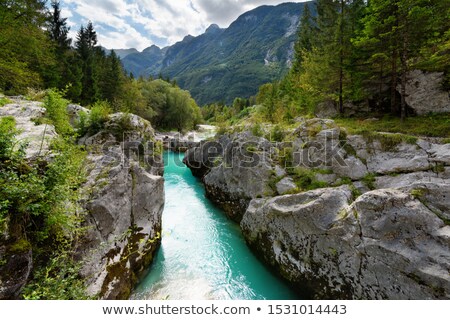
(139, 24)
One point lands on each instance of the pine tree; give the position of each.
(85, 47)
(112, 77)
(58, 29)
(395, 31)
(25, 50)
(305, 35)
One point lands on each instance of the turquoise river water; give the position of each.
(203, 254)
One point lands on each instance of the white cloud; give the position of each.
(141, 23)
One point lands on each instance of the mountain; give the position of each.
(222, 64)
(122, 53)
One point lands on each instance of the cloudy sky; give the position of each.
(141, 23)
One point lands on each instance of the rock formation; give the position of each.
(123, 198)
(376, 227)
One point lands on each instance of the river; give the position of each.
(203, 254)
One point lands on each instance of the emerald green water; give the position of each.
(203, 254)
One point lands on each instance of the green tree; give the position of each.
(305, 38)
(25, 51)
(111, 77)
(85, 47)
(395, 31)
(58, 29)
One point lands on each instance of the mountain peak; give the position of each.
(152, 49)
(222, 64)
(212, 28)
(188, 38)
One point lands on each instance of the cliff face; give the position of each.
(122, 198)
(376, 227)
(387, 244)
(16, 257)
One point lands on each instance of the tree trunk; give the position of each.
(341, 60)
(394, 82)
(404, 59)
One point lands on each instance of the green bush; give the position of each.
(99, 115)
(38, 205)
(56, 107)
(4, 101)
(257, 130)
(37, 196)
(58, 280)
(277, 134)
(83, 123)
(369, 180)
(305, 179)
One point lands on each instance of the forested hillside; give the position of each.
(36, 52)
(356, 56)
(222, 64)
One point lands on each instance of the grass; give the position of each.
(433, 125)
(4, 101)
(306, 180)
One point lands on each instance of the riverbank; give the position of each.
(203, 254)
(339, 215)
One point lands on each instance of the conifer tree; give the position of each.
(305, 35)
(58, 29)
(85, 47)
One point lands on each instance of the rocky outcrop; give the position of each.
(36, 136)
(424, 93)
(233, 170)
(16, 256)
(375, 228)
(179, 142)
(387, 244)
(124, 200)
(240, 167)
(16, 263)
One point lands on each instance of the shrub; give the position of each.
(369, 180)
(4, 101)
(277, 134)
(99, 115)
(305, 179)
(39, 198)
(58, 280)
(36, 94)
(38, 205)
(257, 130)
(56, 107)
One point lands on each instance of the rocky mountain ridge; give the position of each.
(222, 64)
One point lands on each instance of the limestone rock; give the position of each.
(202, 158)
(124, 226)
(440, 153)
(424, 92)
(37, 137)
(15, 270)
(405, 180)
(74, 111)
(352, 167)
(326, 109)
(386, 245)
(404, 158)
(286, 185)
(234, 169)
(124, 198)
